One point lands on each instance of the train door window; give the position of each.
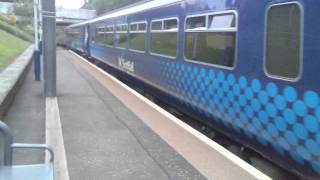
(137, 36)
(211, 39)
(121, 36)
(283, 41)
(164, 35)
(109, 36)
(100, 35)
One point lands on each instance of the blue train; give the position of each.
(249, 69)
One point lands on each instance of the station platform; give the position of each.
(101, 138)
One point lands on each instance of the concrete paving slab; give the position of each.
(26, 118)
(105, 140)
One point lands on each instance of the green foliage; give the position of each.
(24, 10)
(10, 48)
(103, 6)
(9, 18)
(15, 31)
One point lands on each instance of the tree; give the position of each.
(103, 6)
(24, 10)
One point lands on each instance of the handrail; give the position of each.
(8, 140)
(9, 145)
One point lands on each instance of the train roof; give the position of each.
(132, 9)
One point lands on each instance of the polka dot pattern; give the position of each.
(280, 118)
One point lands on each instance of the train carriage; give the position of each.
(248, 69)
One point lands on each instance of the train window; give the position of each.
(142, 27)
(137, 36)
(156, 25)
(109, 36)
(196, 22)
(133, 27)
(211, 39)
(283, 41)
(164, 35)
(121, 36)
(100, 35)
(222, 21)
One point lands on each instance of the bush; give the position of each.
(15, 31)
(8, 18)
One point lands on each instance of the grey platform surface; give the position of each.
(26, 118)
(103, 139)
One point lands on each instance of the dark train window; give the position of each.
(164, 35)
(100, 35)
(156, 25)
(137, 36)
(109, 36)
(196, 22)
(211, 39)
(283, 41)
(121, 36)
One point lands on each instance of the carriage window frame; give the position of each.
(301, 48)
(137, 23)
(163, 30)
(206, 29)
(121, 31)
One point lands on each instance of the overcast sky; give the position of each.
(73, 4)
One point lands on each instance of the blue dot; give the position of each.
(221, 76)
(280, 102)
(313, 147)
(242, 100)
(273, 130)
(283, 143)
(211, 74)
(266, 136)
(226, 103)
(236, 107)
(257, 123)
(244, 118)
(311, 124)
(271, 110)
(195, 71)
(248, 93)
(230, 96)
(300, 131)
(255, 105)
(289, 116)
(256, 86)
(225, 86)
(263, 117)
(304, 153)
(311, 99)
(272, 89)
(220, 93)
(290, 94)
(203, 72)
(243, 82)
(231, 79)
(281, 124)
(263, 97)
(291, 138)
(300, 108)
(236, 90)
(297, 158)
(316, 166)
(249, 111)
